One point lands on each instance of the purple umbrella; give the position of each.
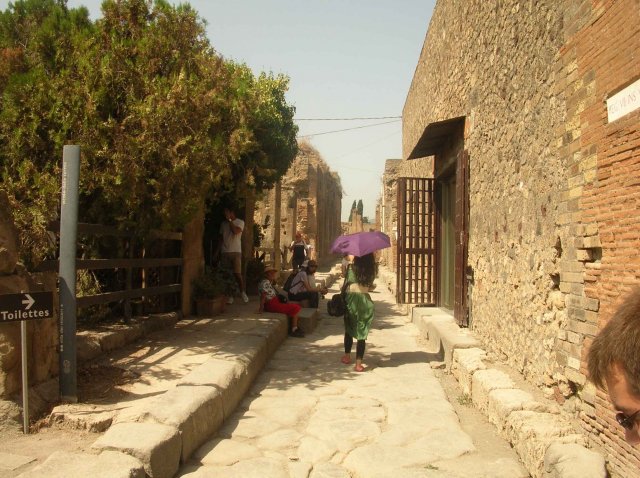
(361, 243)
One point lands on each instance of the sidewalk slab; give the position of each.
(10, 461)
(108, 464)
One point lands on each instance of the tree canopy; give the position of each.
(164, 123)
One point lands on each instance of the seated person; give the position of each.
(270, 301)
(303, 286)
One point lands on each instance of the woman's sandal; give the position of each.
(359, 368)
(345, 360)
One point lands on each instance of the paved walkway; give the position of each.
(308, 415)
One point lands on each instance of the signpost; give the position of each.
(67, 272)
(26, 306)
(20, 308)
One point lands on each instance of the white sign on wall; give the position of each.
(624, 102)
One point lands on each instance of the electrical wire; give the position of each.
(347, 129)
(347, 119)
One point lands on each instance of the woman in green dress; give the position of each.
(359, 307)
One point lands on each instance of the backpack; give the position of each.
(289, 282)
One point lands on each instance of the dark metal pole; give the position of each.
(67, 273)
(25, 377)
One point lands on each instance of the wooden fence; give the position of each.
(151, 267)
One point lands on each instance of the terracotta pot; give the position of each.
(210, 307)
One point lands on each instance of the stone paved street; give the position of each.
(308, 415)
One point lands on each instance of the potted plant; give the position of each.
(211, 290)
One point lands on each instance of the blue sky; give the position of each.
(345, 58)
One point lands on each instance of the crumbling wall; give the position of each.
(311, 204)
(41, 334)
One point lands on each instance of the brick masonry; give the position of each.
(554, 224)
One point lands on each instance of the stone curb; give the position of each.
(545, 441)
(441, 331)
(155, 438)
(163, 433)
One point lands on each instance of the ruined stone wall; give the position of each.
(493, 63)
(311, 203)
(41, 334)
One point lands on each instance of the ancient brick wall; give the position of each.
(598, 60)
(554, 185)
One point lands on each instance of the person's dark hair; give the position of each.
(365, 269)
(618, 343)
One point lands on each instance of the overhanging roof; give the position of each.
(434, 136)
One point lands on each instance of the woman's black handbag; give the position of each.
(336, 307)
(283, 298)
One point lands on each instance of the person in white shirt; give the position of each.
(230, 246)
(303, 286)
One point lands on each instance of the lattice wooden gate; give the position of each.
(417, 244)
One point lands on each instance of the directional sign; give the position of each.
(26, 306)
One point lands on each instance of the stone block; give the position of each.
(483, 382)
(196, 411)
(570, 460)
(465, 363)
(591, 242)
(231, 378)
(503, 401)
(308, 319)
(88, 346)
(442, 332)
(157, 446)
(531, 433)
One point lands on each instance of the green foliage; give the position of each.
(353, 207)
(360, 208)
(214, 282)
(255, 269)
(164, 123)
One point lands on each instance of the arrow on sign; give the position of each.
(29, 301)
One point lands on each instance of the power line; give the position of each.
(347, 129)
(347, 119)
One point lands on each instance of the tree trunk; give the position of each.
(193, 258)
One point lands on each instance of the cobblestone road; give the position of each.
(308, 415)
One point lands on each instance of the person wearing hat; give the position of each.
(303, 286)
(270, 302)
